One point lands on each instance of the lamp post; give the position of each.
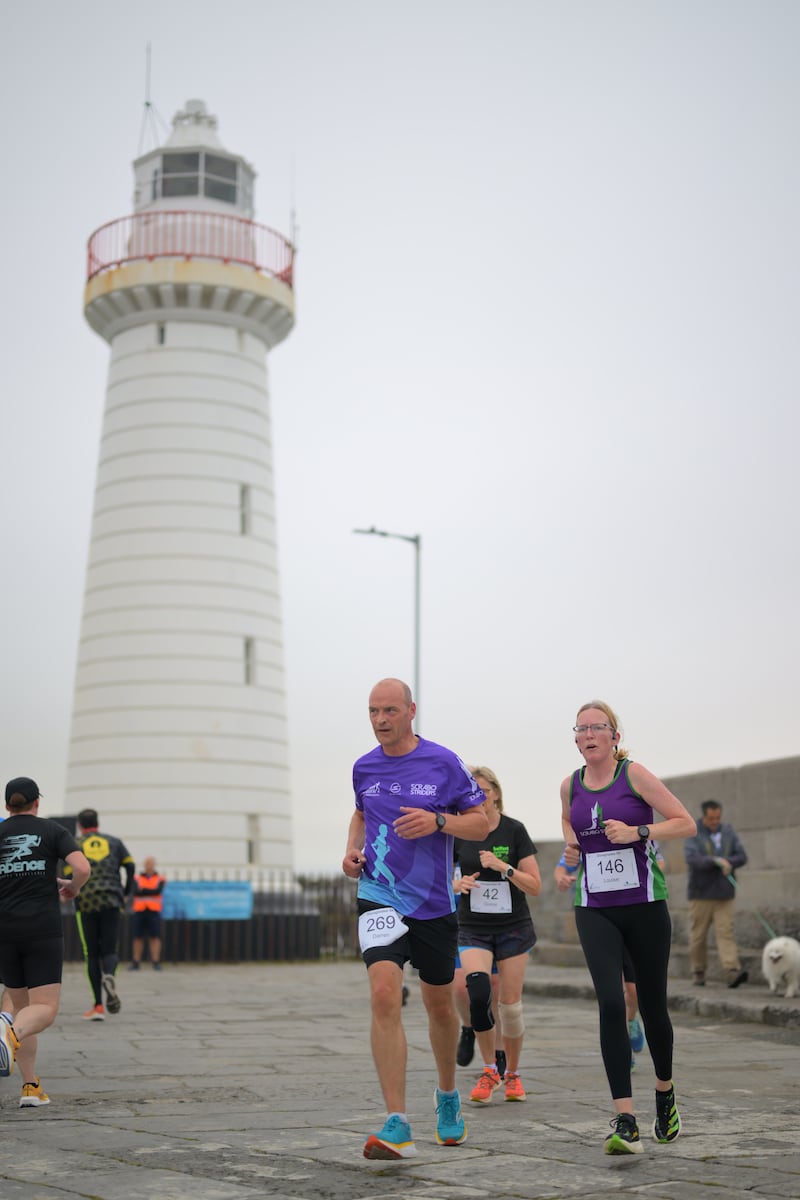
(416, 541)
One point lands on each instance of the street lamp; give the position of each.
(416, 541)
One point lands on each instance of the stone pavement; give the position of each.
(236, 1082)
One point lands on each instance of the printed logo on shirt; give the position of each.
(382, 851)
(424, 789)
(18, 848)
(95, 847)
(396, 789)
(598, 824)
(373, 790)
(501, 852)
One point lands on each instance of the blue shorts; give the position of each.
(507, 943)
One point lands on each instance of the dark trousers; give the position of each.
(99, 934)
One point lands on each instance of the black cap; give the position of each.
(22, 787)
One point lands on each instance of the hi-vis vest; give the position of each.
(151, 884)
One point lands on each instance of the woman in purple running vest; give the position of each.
(607, 814)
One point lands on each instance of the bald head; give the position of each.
(394, 683)
(391, 711)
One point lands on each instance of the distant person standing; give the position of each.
(31, 934)
(712, 856)
(148, 889)
(98, 909)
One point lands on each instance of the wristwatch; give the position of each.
(441, 820)
(644, 832)
(508, 873)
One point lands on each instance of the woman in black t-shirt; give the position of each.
(495, 925)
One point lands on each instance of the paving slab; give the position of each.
(233, 1082)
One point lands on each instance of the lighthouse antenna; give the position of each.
(294, 228)
(151, 118)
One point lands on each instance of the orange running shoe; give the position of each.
(514, 1088)
(33, 1095)
(95, 1014)
(486, 1086)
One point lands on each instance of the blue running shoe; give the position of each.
(450, 1127)
(636, 1034)
(393, 1141)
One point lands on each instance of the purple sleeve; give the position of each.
(466, 791)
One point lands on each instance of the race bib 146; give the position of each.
(611, 870)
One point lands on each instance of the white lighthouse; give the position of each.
(179, 731)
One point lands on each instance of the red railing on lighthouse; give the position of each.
(211, 236)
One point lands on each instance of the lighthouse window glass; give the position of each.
(245, 512)
(253, 839)
(245, 191)
(219, 181)
(249, 661)
(180, 175)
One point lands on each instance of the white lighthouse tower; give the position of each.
(179, 732)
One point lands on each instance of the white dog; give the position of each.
(780, 963)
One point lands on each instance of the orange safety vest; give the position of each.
(148, 883)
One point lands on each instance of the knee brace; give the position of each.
(512, 1022)
(479, 990)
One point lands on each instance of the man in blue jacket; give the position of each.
(712, 856)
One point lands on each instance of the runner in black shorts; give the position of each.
(494, 925)
(411, 797)
(430, 946)
(31, 940)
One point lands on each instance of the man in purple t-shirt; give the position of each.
(412, 798)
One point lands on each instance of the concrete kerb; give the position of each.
(751, 1003)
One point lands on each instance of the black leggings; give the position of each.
(645, 931)
(99, 934)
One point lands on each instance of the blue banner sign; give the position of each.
(208, 900)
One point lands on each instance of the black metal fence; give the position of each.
(294, 917)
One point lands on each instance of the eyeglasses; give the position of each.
(597, 727)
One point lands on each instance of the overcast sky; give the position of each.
(547, 318)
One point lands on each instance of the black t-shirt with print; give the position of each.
(510, 842)
(30, 851)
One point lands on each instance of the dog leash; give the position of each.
(764, 922)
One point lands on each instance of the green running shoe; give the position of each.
(667, 1124)
(624, 1138)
